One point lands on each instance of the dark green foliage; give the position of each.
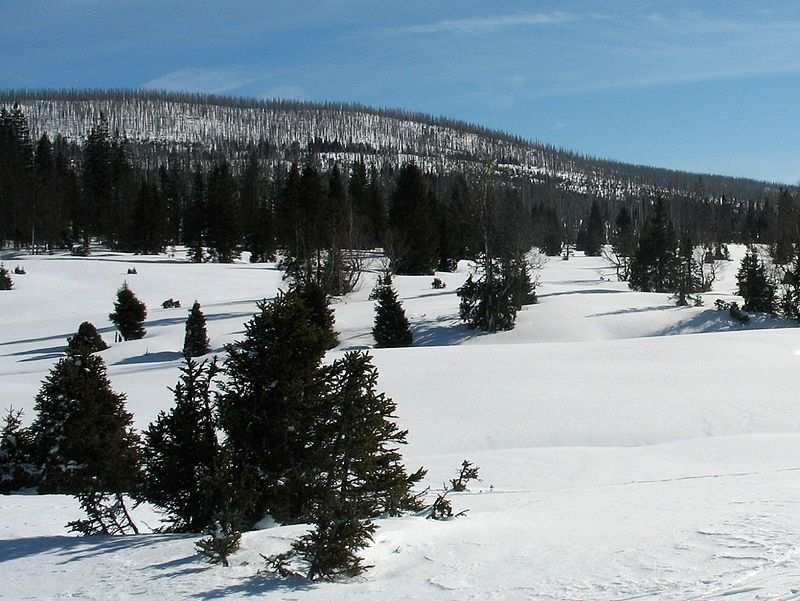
(86, 341)
(490, 304)
(272, 381)
(653, 265)
(623, 243)
(17, 470)
(787, 229)
(790, 297)
(552, 232)
(181, 455)
(83, 435)
(221, 542)
(755, 285)
(391, 327)
(129, 314)
(148, 226)
(438, 284)
(688, 278)
(595, 232)
(317, 301)
(517, 274)
(195, 341)
(222, 221)
(195, 222)
(412, 217)
(357, 472)
(5, 279)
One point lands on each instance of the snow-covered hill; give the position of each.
(167, 122)
(628, 449)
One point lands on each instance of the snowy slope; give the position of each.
(628, 449)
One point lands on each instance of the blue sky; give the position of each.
(705, 86)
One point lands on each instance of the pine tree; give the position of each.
(86, 341)
(595, 234)
(181, 454)
(272, 380)
(195, 342)
(17, 469)
(688, 280)
(358, 472)
(624, 243)
(129, 314)
(790, 297)
(83, 435)
(754, 284)
(317, 301)
(412, 218)
(5, 279)
(490, 304)
(391, 327)
(653, 265)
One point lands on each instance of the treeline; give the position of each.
(58, 194)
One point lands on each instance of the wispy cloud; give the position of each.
(215, 81)
(489, 23)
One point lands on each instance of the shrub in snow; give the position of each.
(171, 303)
(129, 314)
(106, 515)
(5, 279)
(438, 284)
(19, 270)
(195, 341)
(221, 542)
(737, 314)
(132, 271)
(86, 341)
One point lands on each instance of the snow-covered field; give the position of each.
(629, 449)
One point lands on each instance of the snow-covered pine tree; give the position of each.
(129, 314)
(755, 285)
(17, 470)
(195, 341)
(272, 381)
(357, 472)
(221, 541)
(5, 279)
(181, 454)
(86, 341)
(391, 327)
(83, 436)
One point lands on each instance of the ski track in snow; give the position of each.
(628, 449)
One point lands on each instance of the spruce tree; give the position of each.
(181, 454)
(755, 285)
(195, 342)
(17, 469)
(83, 436)
(391, 327)
(129, 314)
(790, 297)
(317, 301)
(623, 243)
(357, 475)
(653, 265)
(412, 218)
(688, 280)
(5, 279)
(595, 234)
(86, 341)
(490, 303)
(272, 381)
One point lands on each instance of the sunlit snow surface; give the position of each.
(629, 449)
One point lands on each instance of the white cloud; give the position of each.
(489, 23)
(214, 81)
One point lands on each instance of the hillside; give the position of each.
(159, 123)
